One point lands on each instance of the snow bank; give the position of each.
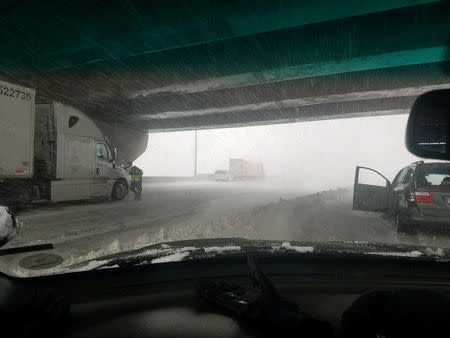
(324, 216)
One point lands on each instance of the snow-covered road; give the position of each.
(185, 210)
(84, 230)
(161, 203)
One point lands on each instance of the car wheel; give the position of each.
(119, 190)
(400, 225)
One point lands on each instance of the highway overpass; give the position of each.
(191, 65)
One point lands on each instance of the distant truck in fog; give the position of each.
(53, 152)
(241, 169)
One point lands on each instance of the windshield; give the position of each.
(134, 124)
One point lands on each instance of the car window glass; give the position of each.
(407, 177)
(73, 121)
(369, 177)
(399, 177)
(437, 175)
(438, 179)
(102, 151)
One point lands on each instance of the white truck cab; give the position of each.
(51, 151)
(85, 164)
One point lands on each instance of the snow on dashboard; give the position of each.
(166, 249)
(221, 249)
(176, 257)
(414, 253)
(301, 249)
(437, 252)
(91, 265)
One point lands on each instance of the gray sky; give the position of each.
(317, 154)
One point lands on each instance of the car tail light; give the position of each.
(423, 196)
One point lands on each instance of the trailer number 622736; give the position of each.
(15, 93)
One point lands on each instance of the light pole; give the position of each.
(195, 154)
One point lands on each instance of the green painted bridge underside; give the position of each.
(128, 59)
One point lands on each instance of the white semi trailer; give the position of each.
(241, 169)
(53, 152)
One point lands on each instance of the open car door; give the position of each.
(373, 194)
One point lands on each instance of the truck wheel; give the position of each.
(119, 190)
(400, 226)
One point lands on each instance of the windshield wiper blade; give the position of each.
(28, 248)
(165, 255)
(211, 248)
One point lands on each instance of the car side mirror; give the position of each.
(428, 129)
(114, 157)
(113, 161)
(9, 225)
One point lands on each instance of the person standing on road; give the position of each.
(136, 182)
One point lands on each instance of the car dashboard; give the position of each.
(162, 300)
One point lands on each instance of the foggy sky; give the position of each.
(319, 154)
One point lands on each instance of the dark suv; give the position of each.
(419, 196)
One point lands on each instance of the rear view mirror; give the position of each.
(428, 129)
(9, 225)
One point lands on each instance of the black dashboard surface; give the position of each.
(161, 300)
